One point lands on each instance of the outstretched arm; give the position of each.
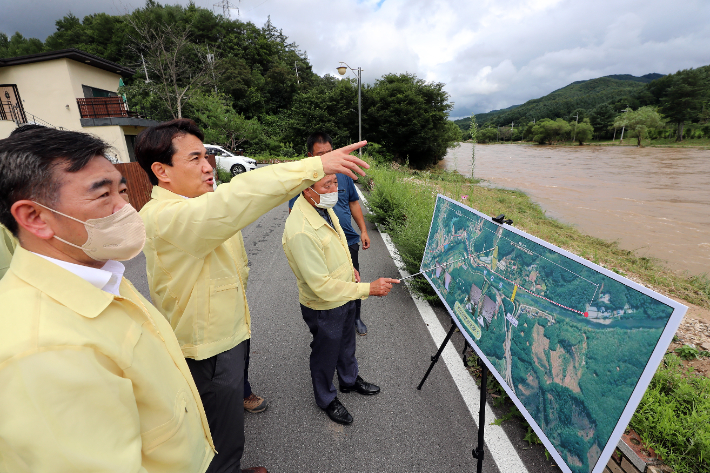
(200, 225)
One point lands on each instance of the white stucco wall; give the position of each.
(49, 90)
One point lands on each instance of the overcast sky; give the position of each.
(490, 54)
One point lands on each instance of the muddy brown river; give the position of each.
(652, 200)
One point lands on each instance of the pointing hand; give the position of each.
(382, 286)
(340, 161)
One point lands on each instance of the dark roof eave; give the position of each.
(75, 54)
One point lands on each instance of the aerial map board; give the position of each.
(573, 344)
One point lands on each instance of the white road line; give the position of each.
(503, 452)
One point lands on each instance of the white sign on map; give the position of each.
(573, 344)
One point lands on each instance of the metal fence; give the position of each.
(11, 104)
(102, 107)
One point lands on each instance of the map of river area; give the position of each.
(569, 342)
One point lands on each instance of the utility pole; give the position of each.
(511, 131)
(295, 64)
(621, 141)
(575, 128)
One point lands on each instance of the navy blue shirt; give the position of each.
(346, 194)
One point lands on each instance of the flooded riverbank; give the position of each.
(654, 201)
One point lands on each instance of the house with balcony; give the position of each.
(71, 90)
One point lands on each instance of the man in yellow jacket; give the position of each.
(91, 375)
(196, 262)
(328, 286)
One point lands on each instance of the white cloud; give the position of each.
(490, 53)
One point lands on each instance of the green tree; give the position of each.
(487, 135)
(18, 45)
(549, 131)
(584, 131)
(684, 99)
(331, 108)
(602, 118)
(220, 123)
(638, 122)
(409, 117)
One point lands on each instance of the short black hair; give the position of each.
(318, 137)
(155, 144)
(28, 160)
(26, 127)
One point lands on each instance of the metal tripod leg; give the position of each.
(435, 358)
(478, 452)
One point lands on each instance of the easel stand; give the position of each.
(478, 451)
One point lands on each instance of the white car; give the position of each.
(231, 162)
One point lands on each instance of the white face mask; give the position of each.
(327, 201)
(120, 236)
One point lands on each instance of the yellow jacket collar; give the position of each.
(61, 285)
(311, 214)
(161, 193)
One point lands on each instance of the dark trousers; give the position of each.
(220, 382)
(247, 386)
(354, 250)
(333, 347)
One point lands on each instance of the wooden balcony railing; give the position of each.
(102, 107)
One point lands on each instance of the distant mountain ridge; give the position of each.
(581, 94)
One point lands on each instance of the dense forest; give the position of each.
(250, 87)
(681, 102)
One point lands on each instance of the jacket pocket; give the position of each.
(157, 436)
(225, 296)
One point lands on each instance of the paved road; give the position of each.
(399, 430)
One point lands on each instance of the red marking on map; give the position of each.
(537, 295)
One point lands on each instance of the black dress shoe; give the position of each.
(338, 413)
(361, 386)
(360, 327)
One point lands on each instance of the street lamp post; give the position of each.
(342, 70)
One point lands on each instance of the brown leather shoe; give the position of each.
(256, 469)
(255, 404)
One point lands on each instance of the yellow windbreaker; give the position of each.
(7, 248)
(90, 381)
(319, 257)
(195, 257)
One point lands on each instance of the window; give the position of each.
(91, 92)
(131, 145)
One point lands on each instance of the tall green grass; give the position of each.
(673, 417)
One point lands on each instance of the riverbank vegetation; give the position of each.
(671, 106)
